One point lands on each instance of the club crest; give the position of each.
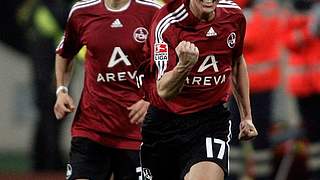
(231, 41)
(140, 34)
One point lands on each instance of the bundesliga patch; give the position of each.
(161, 52)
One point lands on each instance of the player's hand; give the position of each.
(64, 105)
(188, 54)
(138, 111)
(247, 130)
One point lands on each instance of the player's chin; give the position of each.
(208, 8)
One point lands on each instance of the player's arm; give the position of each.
(64, 68)
(138, 111)
(171, 83)
(240, 85)
(64, 103)
(69, 46)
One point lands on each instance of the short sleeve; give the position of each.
(242, 32)
(162, 47)
(70, 43)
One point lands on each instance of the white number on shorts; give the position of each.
(138, 170)
(210, 148)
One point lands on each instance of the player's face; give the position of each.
(203, 9)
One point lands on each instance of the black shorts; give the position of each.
(173, 143)
(93, 161)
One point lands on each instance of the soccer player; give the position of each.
(196, 55)
(105, 131)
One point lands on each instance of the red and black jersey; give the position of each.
(114, 41)
(219, 42)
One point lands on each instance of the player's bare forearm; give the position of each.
(171, 83)
(240, 84)
(64, 102)
(63, 70)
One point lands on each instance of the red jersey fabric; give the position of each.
(114, 41)
(218, 41)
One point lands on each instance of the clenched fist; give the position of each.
(247, 130)
(188, 54)
(64, 105)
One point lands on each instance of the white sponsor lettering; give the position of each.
(205, 80)
(196, 80)
(121, 76)
(100, 78)
(132, 75)
(117, 52)
(110, 77)
(113, 77)
(213, 63)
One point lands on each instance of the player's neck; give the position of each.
(116, 4)
(201, 15)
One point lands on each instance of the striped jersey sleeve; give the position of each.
(228, 4)
(150, 3)
(163, 52)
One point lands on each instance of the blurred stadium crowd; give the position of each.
(282, 50)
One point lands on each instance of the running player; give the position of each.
(105, 131)
(196, 55)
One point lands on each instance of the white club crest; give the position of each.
(140, 34)
(231, 41)
(146, 174)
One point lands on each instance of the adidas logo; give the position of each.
(116, 24)
(211, 32)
